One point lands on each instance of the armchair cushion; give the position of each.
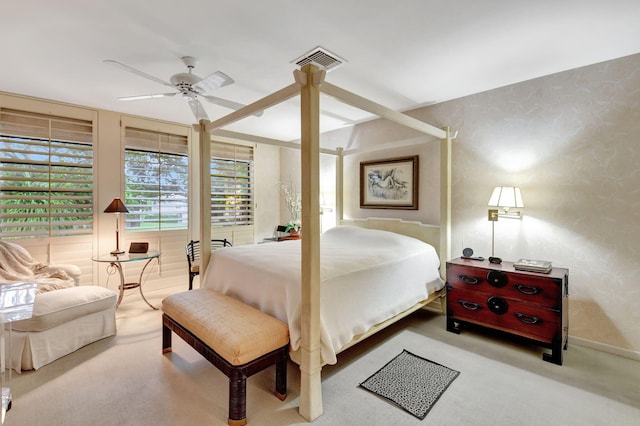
(58, 307)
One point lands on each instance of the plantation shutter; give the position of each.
(46, 175)
(232, 202)
(156, 180)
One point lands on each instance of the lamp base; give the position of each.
(117, 252)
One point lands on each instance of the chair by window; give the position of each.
(193, 256)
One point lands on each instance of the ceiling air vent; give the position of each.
(320, 57)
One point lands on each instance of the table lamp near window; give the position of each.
(117, 207)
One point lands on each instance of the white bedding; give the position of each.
(367, 276)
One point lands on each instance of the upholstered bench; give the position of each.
(63, 321)
(236, 338)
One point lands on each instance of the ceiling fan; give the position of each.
(189, 85)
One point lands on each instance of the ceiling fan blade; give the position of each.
(214, 81)
(227, 104)
(137, 72)
(141, 97)
(198, 109)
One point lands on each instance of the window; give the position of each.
(46, 175)
(156, 180)
(231, 184)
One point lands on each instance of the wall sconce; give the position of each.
(504, 198)
(117, 207)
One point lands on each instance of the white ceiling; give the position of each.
(402, 54)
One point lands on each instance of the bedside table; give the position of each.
(497, 296)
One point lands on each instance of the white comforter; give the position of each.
(367, 276)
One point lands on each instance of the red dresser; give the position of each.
(497, 296)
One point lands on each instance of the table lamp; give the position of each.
(117, 207)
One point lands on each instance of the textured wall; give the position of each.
(571, 141)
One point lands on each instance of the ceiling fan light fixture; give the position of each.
(184, 79)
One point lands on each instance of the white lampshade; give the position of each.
(506, 196)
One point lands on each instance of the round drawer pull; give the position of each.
(497, 278)
(498, 305)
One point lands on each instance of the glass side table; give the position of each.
(16, 303)
(117, 261)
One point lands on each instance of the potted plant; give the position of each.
(293, 200)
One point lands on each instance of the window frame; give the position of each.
(232, 194)
(53, 157)
(164, 147)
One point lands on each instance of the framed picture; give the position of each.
(389, 184)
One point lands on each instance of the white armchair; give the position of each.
(63, 320)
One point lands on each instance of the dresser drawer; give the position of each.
(527, 287)
(503, 313)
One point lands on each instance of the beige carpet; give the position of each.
(125, 380)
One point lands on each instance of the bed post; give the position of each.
(445, 201)
(311, 361)
(204, 151)
(339, 185)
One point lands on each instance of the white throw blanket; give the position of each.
(16, 264)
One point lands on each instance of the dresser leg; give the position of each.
(556, 355)
(453, 326)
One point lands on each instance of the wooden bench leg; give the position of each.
(281, 375)
(237, 374)
(237, 398)
(166, 338)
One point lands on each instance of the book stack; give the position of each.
(541, 266)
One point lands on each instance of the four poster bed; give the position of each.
(368, 276)
(323, 324)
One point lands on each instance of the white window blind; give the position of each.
(46, 175)
(156, 180)
(231, 185)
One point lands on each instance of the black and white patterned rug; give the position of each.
(411, 382)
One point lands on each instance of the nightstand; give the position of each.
(497, 296)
